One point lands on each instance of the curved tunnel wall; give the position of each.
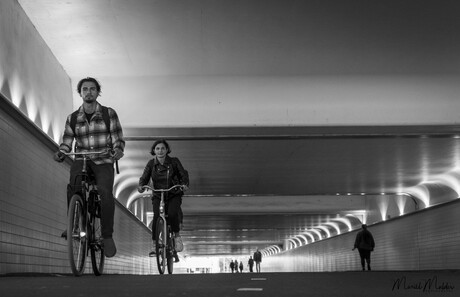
(33, 207)
(33, 214)
(423, 240)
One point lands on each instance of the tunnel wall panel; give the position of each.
(424, 240)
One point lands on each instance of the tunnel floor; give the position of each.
(356, 283)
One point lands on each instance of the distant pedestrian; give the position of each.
(251, 264)
(232, 266)
(258, 259)
(236, 266)
(365, 244)
(241, 266)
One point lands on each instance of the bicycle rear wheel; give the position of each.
(76, 235)
(95, 245)
(161, 242)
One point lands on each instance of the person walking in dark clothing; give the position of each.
(241, 266)
(365, 244)
(251, 264)
(258, 259)
(232, 266)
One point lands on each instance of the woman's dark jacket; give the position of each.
(165, 175)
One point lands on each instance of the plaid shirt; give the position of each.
(93, 136)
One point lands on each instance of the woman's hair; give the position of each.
(152, 150)
(90, 79)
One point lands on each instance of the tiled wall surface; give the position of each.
(425, 240)
(33, 207)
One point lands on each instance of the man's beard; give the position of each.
(89, 99)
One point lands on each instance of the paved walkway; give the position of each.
(356, 284)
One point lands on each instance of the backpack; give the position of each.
(105, 117)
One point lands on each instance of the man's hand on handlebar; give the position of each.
(59, 156)
(140, 189)
(117, 154)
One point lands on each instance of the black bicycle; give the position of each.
(165, 243)
(84, 234)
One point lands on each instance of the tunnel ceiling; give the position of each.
(261, 186)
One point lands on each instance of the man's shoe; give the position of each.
(64, 234)
(152, 253)
(179, 244)
(109, 247)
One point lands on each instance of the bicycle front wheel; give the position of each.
(170, 251)
(161, 243)
(76, 235)
(95, 245)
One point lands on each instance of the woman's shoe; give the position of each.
(178, 243)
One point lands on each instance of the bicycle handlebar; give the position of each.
(84, 154)
(163, 190)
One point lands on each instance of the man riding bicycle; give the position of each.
(94, 128)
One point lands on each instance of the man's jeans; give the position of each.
(104, 175)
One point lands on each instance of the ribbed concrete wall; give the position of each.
(30, 75)
(428, 239)
(33, 207)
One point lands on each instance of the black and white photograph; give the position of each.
(229, 148)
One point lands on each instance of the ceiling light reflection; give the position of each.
(304, 238)
(317, 233)
(346, 221)
(421, 193)
(326, 230)
(311, 236)
(383, 203)
(293, 242)
(125, 182)
(401, 203)
(335, 226)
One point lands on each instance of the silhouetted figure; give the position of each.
(251, 264)
(236, 266)
(365, 244)
(258, 259)
(232, 266)
(241, 266)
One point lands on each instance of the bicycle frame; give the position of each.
(83, 215)
(166, 248)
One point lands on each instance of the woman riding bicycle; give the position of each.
(165, 172)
